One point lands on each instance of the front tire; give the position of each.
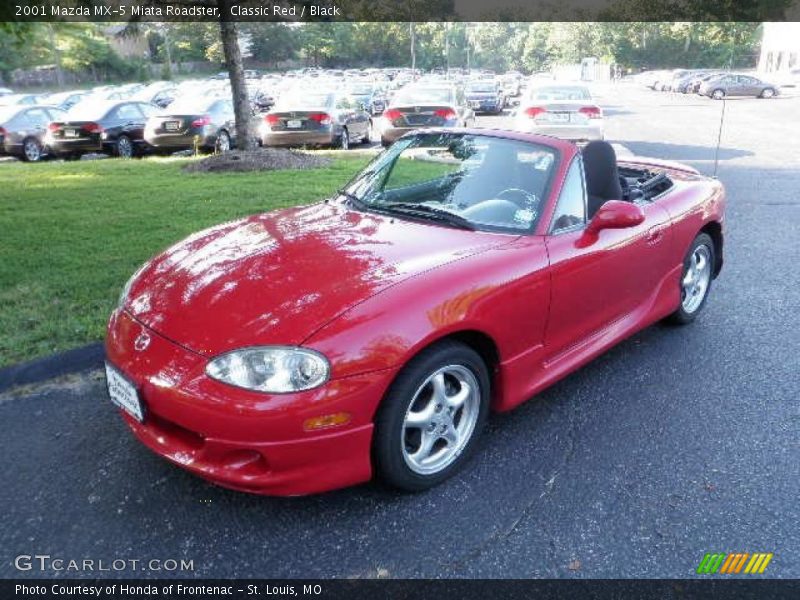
(696, 278)
(718, 94)
(768, 93)
(431, 417)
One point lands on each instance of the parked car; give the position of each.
(308, 118)
(473, 270)
(160, 94)
(734, 84)
(485, 96)
(19, 99)
(4, 91)
(510, 84)
(23, 129)
(66, 100)
(694, 83)
(113, 127)
(567, 111)
(370, 95)
(205, 123)
(425, 105)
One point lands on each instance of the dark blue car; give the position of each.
(485, 97)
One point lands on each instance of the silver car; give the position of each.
(425, 105)
(564, 111)
(311, 118)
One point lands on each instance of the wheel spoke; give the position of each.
(420, 419)
(427, 441)
(451, 436)
(439, 389)
(460, 397)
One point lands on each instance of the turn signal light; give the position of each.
(327, 421)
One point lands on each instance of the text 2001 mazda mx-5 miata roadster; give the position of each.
(461, 271)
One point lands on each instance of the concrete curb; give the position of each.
(41, 369)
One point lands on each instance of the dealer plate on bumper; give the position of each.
(123, 393)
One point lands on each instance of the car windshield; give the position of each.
(481, 87)
(558, 93)
(458, 179)
(191, 105)
(87, 111)
(8, 112)
(360, 90)
(424, 96)
(301, 101)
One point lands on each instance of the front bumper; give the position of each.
(239, 439)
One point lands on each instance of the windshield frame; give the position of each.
(393, 153)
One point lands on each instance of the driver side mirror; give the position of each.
(615, 214)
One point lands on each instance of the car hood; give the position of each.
(277, 278)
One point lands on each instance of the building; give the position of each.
(780, 47)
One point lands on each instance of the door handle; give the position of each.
(654, 236)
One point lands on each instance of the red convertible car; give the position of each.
(461, 271)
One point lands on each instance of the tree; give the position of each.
(229, 34)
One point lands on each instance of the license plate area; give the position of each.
(172, 125)
(123, 393)
(558, 117)
(294, 124)
(70, 133)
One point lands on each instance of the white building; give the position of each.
(780, 47)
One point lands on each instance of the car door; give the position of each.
(34, 124)
(127, 119)
(598, 282)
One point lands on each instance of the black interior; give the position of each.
(602, 175)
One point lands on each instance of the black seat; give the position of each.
(602, 175)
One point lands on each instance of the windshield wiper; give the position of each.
(416, 209)
(352, 198)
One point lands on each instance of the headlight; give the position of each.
(273, 369)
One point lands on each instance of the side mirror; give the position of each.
(615, 214)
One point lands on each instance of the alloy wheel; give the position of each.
(124, 147)
(32, 150)
(440, 419)
(696, 279)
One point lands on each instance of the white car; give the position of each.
(566, 111)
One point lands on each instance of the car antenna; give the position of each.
(719, 138)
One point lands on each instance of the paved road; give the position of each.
(675, 443)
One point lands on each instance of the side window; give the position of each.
(148, 109)
(37, 117)
(571, 207)
(128, 112)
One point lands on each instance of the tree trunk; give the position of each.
(411, 26)
(56, 56)
(233, 63)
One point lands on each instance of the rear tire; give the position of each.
(124, 147)
(696, 278)
(31, 150)
(431, 417)
(223, 143)
(344, 140)
(718, 94)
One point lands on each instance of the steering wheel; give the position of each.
(524, 199)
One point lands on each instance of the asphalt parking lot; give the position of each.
(678, 442)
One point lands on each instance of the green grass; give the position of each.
(72, 234)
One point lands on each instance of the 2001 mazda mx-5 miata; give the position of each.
(461, 271)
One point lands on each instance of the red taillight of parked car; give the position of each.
(445, 113)
(392, 114)
(321, 118)
(534, 111)
(2, 131)
(593, 112)
(271, 119)
(93, 128)
(202, 121)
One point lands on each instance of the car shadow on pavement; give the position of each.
(681, 152)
